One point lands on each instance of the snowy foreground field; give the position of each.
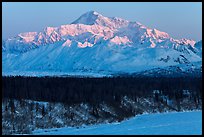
(173, 123)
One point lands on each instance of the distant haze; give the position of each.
(179, 20)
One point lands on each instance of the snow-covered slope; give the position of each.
(198, 48)
(94, 43)
(174, 123)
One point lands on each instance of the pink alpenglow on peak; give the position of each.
(120, 40)
(28, 37)
(160, 34)
(96, 43)
(117, 30)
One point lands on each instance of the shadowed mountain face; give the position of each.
(98, 45)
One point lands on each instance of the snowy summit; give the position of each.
(97, 44)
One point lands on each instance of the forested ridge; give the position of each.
(31, 103)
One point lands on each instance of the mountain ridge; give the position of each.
(107, 43)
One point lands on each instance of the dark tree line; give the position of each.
(72, 90)
(124, 96)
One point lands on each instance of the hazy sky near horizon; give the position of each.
(178, 19)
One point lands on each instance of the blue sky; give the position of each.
(180, 20)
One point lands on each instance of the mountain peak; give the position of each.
(94, 39)
(94, 18)
(88, 18)
(92, 13)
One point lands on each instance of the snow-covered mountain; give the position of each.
(97, 44)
